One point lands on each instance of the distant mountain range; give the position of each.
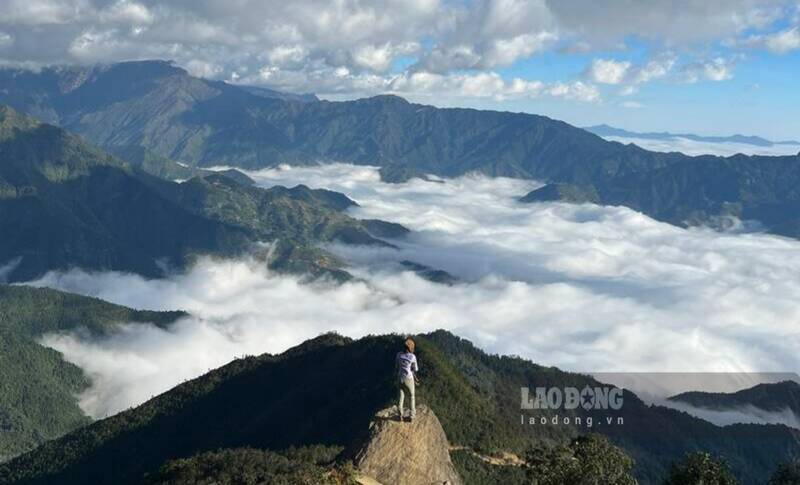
(773, 397)
(609, 131)
(277, 403)
(168, 115)
(160, 107)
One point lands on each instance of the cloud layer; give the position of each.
(361, 47)
(694, 147)
(582, 287)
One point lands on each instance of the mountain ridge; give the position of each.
(160, 107)
(273, 402)
(290, 131)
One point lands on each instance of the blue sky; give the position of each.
(762, 96)
(703, 66)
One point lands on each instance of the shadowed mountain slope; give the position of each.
(66, 204)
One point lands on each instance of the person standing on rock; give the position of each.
(406, 369)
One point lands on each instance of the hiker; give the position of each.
(406, 369)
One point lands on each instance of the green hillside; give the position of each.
(246, 466)
(66, 204)
(325, 392)
(37, 387)
(154, 164)
(705, 190)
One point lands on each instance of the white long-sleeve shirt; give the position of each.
(406, 364)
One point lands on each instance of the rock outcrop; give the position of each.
(407, 453)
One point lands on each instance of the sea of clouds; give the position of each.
(582, 287)
(697, 147)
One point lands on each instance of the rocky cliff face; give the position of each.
(403, 453)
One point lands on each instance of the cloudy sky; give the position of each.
(706, 66)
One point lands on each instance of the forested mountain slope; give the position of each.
(37, 387)
(275, 402)
(64, 203)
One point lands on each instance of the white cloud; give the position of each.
(375, 58)
(671, 23)
(306, 39)
(632, 104)
(503, 52)
(6, 267)
(487, 85)
(692, 147)
(489, 34)
(582, 287)
(785, 41)
(41, 12)
(781, 42)
(5, 39)
(717, 69)
(287, 55)
(493, 53)
(423, 86)
(449, 58)
(92, 44)
(631, 76)
(379, 58)
(654, 69)
(125, 11)
(608, 71)
(577, 90)
(203, 69)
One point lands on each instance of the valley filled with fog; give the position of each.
(582, 287)
(695, 147)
